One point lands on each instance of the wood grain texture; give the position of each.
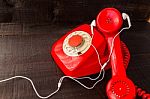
(25, 48)
(72, 11)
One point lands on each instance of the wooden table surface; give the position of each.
(25, 50)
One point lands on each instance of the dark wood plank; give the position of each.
(25, 51)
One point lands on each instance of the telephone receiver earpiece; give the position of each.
(109, 21)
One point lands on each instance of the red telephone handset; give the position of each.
(120, 86)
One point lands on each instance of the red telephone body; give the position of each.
(85, 64)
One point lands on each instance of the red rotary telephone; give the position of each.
(76, 58)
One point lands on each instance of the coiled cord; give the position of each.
(126, 54)
(142, 93)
